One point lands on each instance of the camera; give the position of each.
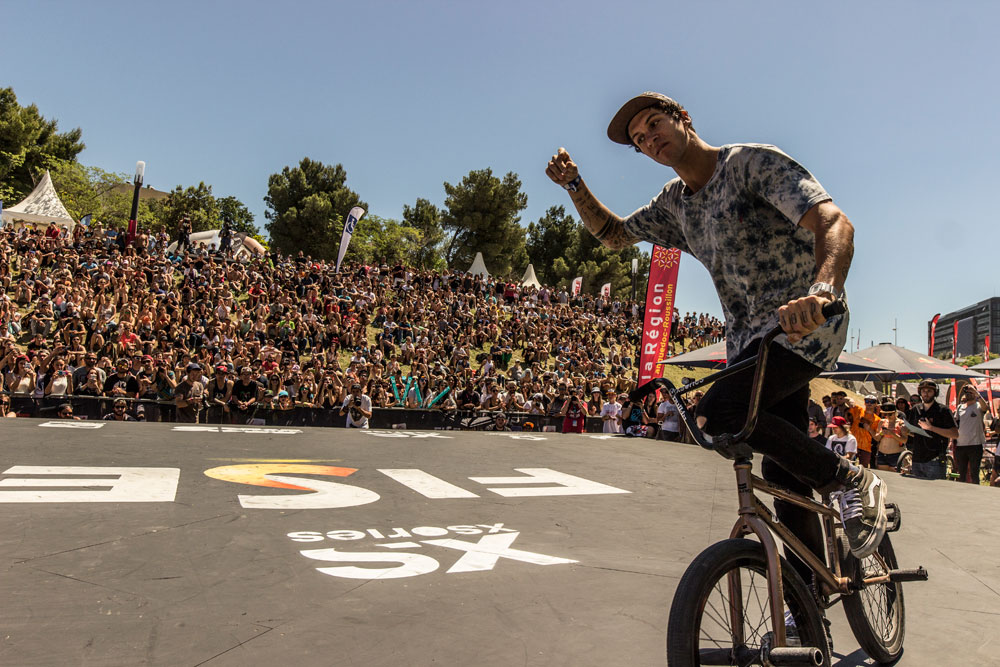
(357, 400)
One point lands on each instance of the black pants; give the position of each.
(791, 458)
(968, 458)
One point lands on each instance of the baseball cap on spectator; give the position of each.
(223, 368)
(838, 421)
(282, 393)
(194, 367)
(147, 357)
(871, 398)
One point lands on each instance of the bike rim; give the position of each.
(878, 602)
(740, 621)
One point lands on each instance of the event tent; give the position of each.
(849, 366)
(478, 267)
(909, 364)
(991, 365)
(40, 207)
(529, 279)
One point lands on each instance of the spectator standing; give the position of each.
(189, 395)
(358, 407)
(670, 420)
(842, 442)
(611, 415)
(121, 382)
(890, 437)
(970, 416)
(938, 425)
(574, 414)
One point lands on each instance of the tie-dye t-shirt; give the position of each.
(744, 227)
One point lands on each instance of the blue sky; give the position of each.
(891, 105)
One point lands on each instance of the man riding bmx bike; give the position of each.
(778, 249)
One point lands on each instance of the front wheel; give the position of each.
(720, 614)
(876, 613)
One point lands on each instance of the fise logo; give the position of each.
(492, 543)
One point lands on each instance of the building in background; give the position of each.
(974, 324)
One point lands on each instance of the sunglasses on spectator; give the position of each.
(66, 413)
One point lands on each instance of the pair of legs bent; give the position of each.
(791, 458)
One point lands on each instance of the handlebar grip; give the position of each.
(834, 308)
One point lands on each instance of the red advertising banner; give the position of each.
(989, 382)
(660, 295)
(954, 344)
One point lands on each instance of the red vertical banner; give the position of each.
(954, 343)
(989, 380)
(930, 345)
(660, 293)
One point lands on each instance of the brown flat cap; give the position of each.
(618, 128)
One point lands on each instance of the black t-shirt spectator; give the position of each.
(126, 382)
(244, 393)
(468, 396)
(926, 448)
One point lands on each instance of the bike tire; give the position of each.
(876, 613)
(705, 584)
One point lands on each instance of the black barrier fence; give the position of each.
(97, 408)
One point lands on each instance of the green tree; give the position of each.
(239, 216)
(548, 240)
(195, 202)
(91, 190)
(425, 218)
(29, 144)
(561, 248)
(378, 239)
(482, 214)
(307, 205)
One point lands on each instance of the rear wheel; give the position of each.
(876, 613)
(720, 613)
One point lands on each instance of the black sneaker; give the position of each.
(862, 509)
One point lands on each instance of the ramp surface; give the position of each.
(164, 544)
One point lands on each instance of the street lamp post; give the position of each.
(635, 271)
(140, 170)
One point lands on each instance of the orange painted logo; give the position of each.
(256, 473)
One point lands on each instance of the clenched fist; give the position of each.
(562, 170)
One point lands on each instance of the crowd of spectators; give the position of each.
(88, 316)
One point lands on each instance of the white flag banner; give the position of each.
(577, 285)
(345, 239)
(606, 289)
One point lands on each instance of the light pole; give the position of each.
(635, 271)
(140, 170)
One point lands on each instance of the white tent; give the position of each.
(529, 279)
(42, 206)
(478, 267)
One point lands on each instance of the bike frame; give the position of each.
(754, 516)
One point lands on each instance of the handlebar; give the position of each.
(729, 445)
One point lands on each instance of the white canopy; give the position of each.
(42, 206)
(529, 279)
(478, 267)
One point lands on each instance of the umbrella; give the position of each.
(913, 364)
(993, 365)
(710, 356)
(849, 366)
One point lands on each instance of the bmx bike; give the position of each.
(741, 603)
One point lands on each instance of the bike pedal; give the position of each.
(893, 517)
(919, 574)
(797, 655)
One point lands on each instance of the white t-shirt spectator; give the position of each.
(354, 417)
(971, 429)
(842, 445)
(670, 419)
(611, 409)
